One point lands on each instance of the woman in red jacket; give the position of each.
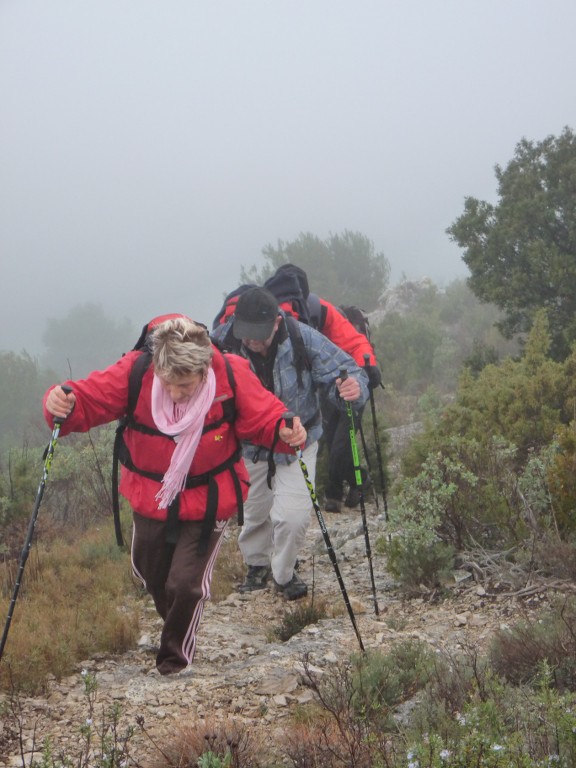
(182, 472)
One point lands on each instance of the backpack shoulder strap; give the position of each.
(229, 405)
(316, 311)
(301, 359)
(141, 365)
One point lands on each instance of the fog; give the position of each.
(149, 149)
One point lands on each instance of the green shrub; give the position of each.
(561, 478)
(497, 726)
(381, 681)
(417, 564)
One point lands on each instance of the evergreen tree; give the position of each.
(521, 252)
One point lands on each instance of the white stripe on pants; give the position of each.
(276, 521)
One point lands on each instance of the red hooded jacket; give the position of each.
(103, 397)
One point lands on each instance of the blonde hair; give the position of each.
(180, 347)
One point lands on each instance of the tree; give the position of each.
(425, 335)
(521, 252)
(344, 269)
(85, 340)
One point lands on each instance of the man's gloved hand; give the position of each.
(374, 376)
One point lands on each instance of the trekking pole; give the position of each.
(358, 475)
(368, 463)
(288, 418)
(377, 442)
(28, 543)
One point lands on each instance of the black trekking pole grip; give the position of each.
(49, 453)
(61, 419)
(289, 421)
(367, 363)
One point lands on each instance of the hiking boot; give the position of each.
(332, 505)
(171, 674)
(294, 589)
(256, 578)
(353, 498)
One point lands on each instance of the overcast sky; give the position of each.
(149, 148)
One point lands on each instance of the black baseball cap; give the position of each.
(255, 315)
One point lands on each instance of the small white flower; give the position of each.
(88, 721)
(553, 758)
(497, 747)
(460, 718)
(444, 754)
(84, 672)
(414, 764)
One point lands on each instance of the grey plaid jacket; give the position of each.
(301, 394)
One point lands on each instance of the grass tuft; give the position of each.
(75, 600)
(294, 619)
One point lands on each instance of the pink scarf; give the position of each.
(184, 422)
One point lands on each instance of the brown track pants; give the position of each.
(178, 579)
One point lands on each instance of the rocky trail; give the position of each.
(239, 671)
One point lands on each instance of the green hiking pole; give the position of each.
(28, 543)
(358, 476)
(368, 464)
(288, 417)
(377, 443)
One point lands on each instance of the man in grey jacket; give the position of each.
(293, 361)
